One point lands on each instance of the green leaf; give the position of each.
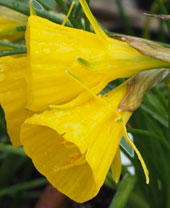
(13, 150)
(155, 115)
(48, 5)
(17, 6)
(12, 45)
(24, 9)
(126, 147)
(22, 186)
(150, 134)
(124, 190)
(109, 181)
(65, 9)
(10, 165)
(13, 51)
(37, 5)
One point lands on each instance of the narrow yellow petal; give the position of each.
(81, 83)
(130, 143)
(83, 97)
(116, 166)
(92, 20)
(32, 9)
(69, 12)
(116, 95)
(13, 94)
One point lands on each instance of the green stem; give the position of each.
(164, 11)
(13, 51)
(23, 186)
(123, 193)
(13, 150)
(151, 134)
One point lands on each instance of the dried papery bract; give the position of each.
(146, 47)
(138, 85)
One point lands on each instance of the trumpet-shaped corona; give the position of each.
(70, 145)
(95, 58)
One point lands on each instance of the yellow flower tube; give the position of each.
(74, 148)
(13, 94)
(9, 20)
(95, 58)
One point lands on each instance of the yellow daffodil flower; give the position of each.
(9, 20)
(74, 148)
(95, 58)
(72, 144)
(74, 137)
(13, 94)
